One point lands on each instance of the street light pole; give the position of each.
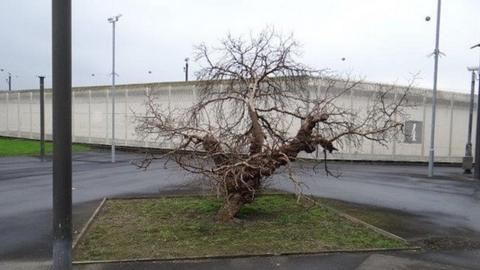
(476, 171)
(42, 117)
(113, 20)
(468, 159)
(62, 133)
(431, 156)
(9, 81)
(186, 68)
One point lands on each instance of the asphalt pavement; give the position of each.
(26, 196)
(449, 203)
(451, 199)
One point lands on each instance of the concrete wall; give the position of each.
(20, 117)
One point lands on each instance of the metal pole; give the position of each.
(113, 92)
(9, 81)
(113, 20)
(476, 174)
(468, 150)
(42, 118)
(186, 69)
(431, 157)
(468, 159)
(62, 133)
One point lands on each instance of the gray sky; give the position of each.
(382, 40)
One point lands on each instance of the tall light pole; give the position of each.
(9, 79)
(186, 68)
(431, 156)
(42, 117)
(476, 171)
(113, 20)
(62, 133)
(468, 159)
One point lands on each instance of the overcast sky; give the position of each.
(381, 40)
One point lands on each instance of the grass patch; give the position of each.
(23, 147)
(168, 228)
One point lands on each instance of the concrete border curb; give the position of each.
(88, 224)
(205, 258)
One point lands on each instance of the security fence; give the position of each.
(92, 116)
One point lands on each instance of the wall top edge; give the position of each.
(365, 86)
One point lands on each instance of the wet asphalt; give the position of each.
(449, 203)
(450, 200)
(26, 196)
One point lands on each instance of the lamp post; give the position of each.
(186, 68)
(9, 79)
(476, 171)
(468, 159)
(431, 156)
(42, 117)
(62, 133)
(113, 20)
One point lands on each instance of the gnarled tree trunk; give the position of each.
(232, 205)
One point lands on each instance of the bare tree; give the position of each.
(251, 93)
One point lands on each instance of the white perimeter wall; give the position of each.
(92, 118)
